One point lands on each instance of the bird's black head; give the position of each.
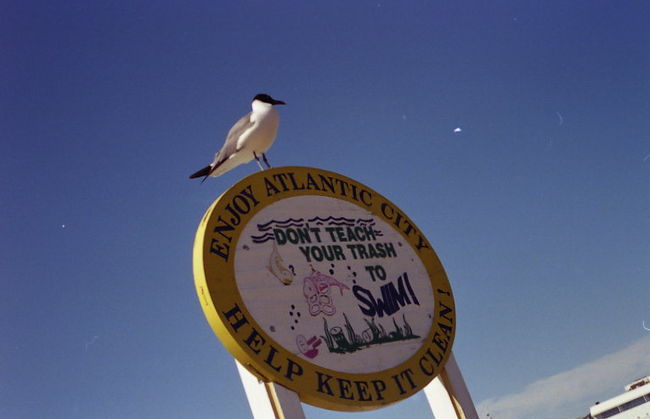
(263, 97)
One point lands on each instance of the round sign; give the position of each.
(317, 282)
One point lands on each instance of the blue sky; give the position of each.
(538, 208)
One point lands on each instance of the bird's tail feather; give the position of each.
(203, 172)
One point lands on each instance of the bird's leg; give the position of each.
(266, 160)
(258, 160)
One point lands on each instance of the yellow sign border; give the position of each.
(214, 277)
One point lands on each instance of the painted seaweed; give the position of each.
(375, 334)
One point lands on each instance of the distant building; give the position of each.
(634, 403)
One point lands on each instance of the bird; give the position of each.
(250, 138)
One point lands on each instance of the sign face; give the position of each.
(317, 282)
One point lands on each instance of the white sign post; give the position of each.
(448, 396)
(269, 400)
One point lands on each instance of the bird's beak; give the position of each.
(278, 102)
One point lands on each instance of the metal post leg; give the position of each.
(448, 396)
(269, 400)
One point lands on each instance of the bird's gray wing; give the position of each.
(230, 145)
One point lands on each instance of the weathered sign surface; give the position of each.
(319, 283)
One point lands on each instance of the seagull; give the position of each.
(248, 139)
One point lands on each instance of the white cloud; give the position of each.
(581, 384)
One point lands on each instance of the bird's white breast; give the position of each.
(261, 135)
